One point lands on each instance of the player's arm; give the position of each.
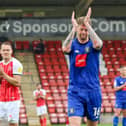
(15, 80)
(97, 42)
(36, 97)
(43, 95)
(66, 47)
(119, 87)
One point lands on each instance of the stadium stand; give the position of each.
(22, 45)
(54, 77)
(114, 56)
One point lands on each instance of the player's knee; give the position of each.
(117, 114)
(75, 122)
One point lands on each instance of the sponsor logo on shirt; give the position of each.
(80, 60)
(87, 49)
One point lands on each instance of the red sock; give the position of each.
(44, 121)
(67, 121)
(41, 122)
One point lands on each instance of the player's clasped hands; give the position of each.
(87, 19)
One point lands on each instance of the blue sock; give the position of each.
(124, 121)
(115, 121)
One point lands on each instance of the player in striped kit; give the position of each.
(40, 96)
(10, 77)
(120, 105)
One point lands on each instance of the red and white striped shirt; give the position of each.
(40, 101)
(8, 92)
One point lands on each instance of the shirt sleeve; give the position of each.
(17, 68)
(34, 93)
(44, 92)
(115, 84)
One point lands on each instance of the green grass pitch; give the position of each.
(85, 125)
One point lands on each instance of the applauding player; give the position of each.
(120, 105)
(84, 94)
(10, 76)
(40, 96)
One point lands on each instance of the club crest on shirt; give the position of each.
(71, 110)
(121, 82)
(20, 69)
(87, 49)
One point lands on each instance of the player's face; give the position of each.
(82, 33)
(123, 71)
(6, 51)
(39, 87)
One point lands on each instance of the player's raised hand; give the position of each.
(73, 20)
(87, 17)
(125, 84)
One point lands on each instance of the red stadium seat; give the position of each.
(59, 108)
(108, 109)
(62, 117)
(18, 45)
(50, 100)
(26, 45)
(53, 118)
(51, 108)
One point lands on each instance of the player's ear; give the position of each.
(11, 51)
(0, 51)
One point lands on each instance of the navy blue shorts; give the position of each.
(120, 104)
(84, 103)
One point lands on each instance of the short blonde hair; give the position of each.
(80, 20)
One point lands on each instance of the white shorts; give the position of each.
(41, 110)
(10, 111)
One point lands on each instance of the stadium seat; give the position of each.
(108, 109)
(51, 108)
(26, 45)
(18, 45)
(53, 118)
(62, 117)
(50, 100)
(59, 108)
